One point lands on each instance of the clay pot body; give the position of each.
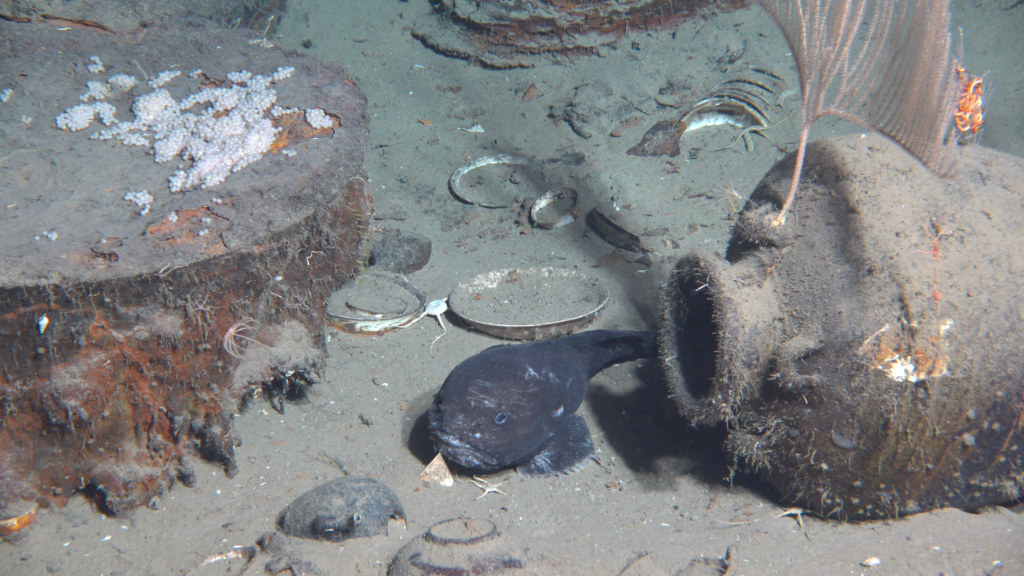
(866, 355)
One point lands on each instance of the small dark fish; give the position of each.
(515, 405)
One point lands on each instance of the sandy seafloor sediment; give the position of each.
(656, 489)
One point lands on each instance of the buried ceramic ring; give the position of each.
(454, 183)
(371, 323)
(550, 196)
(462, 302)
(469, 530)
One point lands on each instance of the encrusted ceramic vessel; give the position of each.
(866, 355)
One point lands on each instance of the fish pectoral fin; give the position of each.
(566, 452)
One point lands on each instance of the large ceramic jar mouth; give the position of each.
(462, 531)
(694, 344)
(718, 336)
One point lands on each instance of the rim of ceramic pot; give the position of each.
(462, 531)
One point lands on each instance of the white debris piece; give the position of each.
(122, 82)
(163, 78)
(5, 94)
(318, 119)
(97, 65)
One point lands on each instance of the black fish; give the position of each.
(515, 405)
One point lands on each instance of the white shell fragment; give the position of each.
(43, 323)
(475, 128)
(869, 562)
(437, 471)
(570, 215)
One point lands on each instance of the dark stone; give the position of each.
(398, 252)
(347, 507)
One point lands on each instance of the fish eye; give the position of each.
(501, 417)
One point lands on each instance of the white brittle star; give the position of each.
(798, 513)
(435, 308)
(487, 487)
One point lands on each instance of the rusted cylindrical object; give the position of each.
(865, 356)
(127, 342)
(514, 33)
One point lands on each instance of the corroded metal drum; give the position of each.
(513, 33)
(128, 336)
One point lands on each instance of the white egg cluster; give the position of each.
(163, 78)
(97, 91)
(122, 82)
(97, 65)
(81, 116)
(276, 111)
(318, 119)
(142, 199)
(221, 130)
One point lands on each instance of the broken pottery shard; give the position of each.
(661, 140)
(615, 234)
(437, 471)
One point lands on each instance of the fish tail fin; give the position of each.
(616, 346)
(649, 344)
